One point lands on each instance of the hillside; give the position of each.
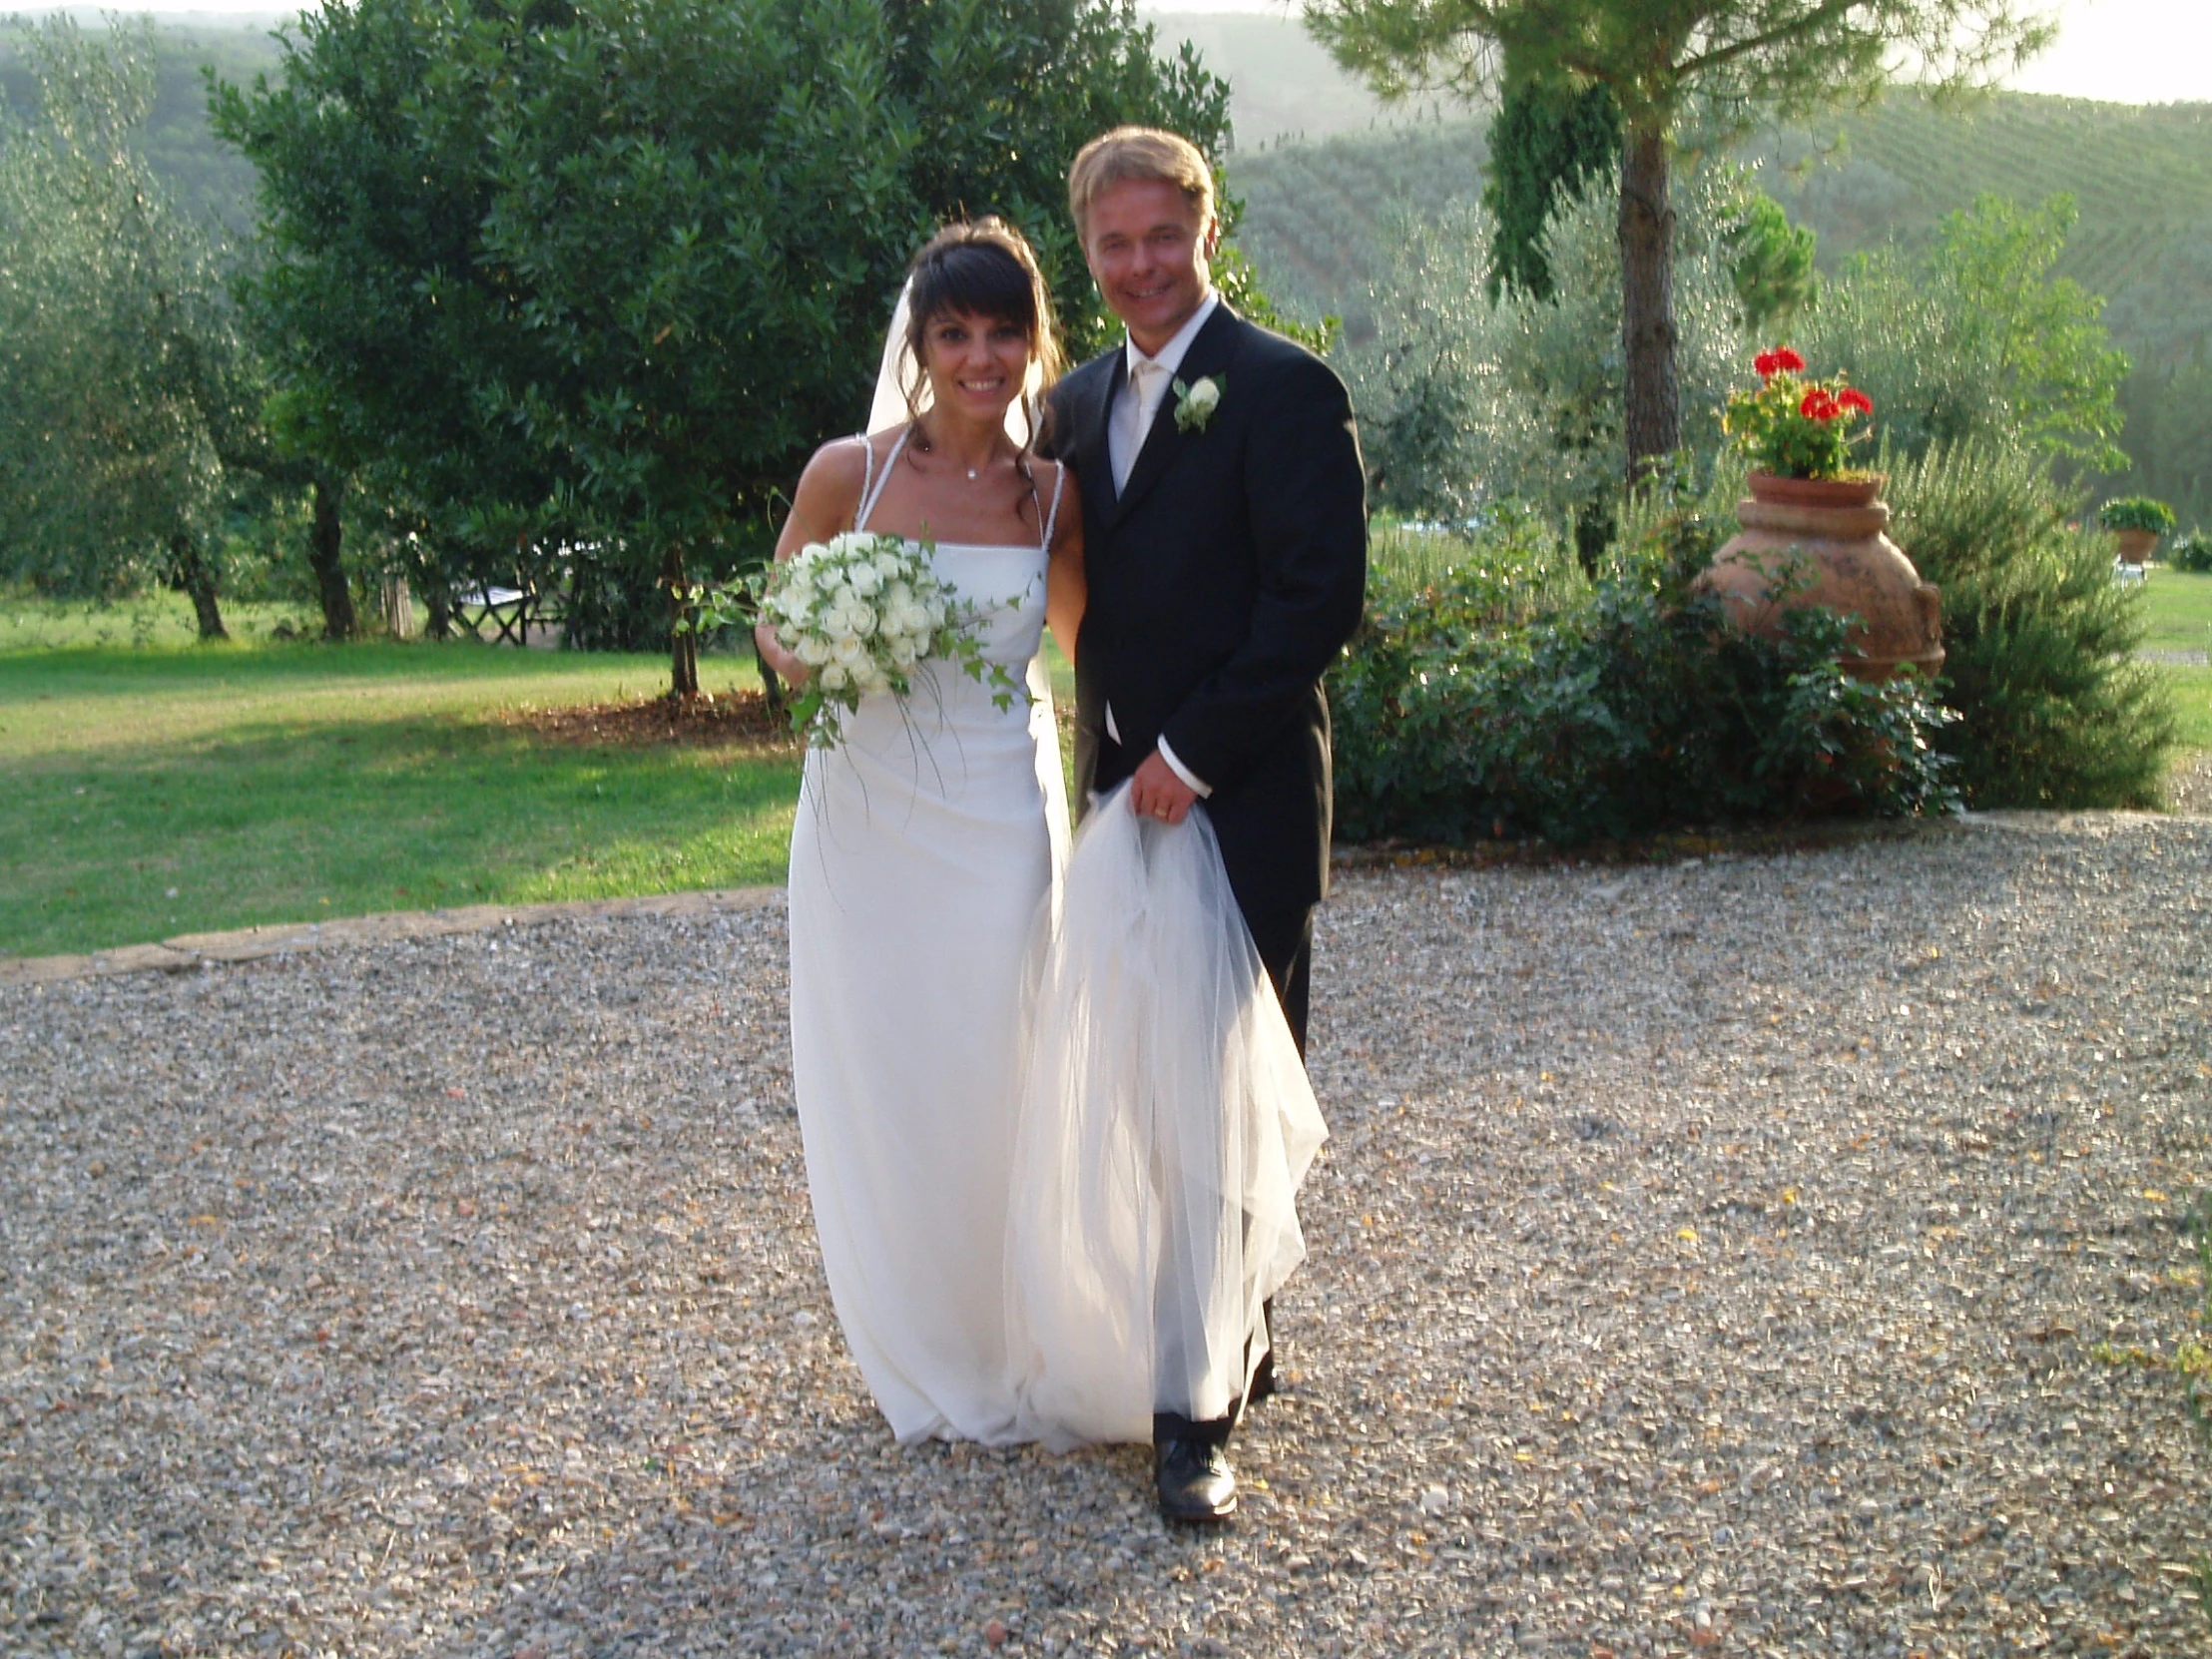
(2141, 178)
(207, 177)
(1281, 87)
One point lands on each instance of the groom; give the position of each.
(1224, 544)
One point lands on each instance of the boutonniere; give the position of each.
(1194, 405)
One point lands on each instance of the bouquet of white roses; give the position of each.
(864, 612)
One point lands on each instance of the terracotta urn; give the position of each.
(1837, 525)
(2136, 546)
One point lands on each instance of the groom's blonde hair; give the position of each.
(1137, 153)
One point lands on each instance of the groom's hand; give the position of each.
(1155, 792)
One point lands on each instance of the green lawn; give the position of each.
(2179, 604)
(2192, 690)
(148, 791)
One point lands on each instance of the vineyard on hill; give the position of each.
(2141, 179)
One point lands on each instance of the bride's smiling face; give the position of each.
(976, 364)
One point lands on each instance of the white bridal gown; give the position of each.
(1054, 1132)
(924, 846)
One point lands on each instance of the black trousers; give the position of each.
(1286, 944)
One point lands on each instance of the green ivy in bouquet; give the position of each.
(863, 613)
(1795, 428)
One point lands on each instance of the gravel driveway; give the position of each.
(1775, 1255)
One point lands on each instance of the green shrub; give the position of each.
(2192, 552)
(2136, 513)
(2055, 711)
(1484, 705)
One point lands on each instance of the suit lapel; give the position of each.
(1209, 354)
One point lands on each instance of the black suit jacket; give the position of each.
(1223, 582)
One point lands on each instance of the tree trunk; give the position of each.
(322, 556)
(770, 686)
(1653, 413)
(197, 581)
(683, 641)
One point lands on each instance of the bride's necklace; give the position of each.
(928, 448)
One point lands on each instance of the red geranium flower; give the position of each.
(1766, 363)
(1818, 405)
(1855, 400)
(1778, 362)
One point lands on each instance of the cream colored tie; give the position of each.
(1133, 417)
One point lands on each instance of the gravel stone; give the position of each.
(1747, 1255)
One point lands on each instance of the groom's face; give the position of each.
(1147, 249)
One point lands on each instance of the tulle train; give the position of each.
(1166, 1125)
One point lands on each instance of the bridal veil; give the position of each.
(1166, 1125)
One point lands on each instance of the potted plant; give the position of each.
(1809, 502)
(2192, 552)
(2136, 523)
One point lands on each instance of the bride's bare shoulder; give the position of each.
(829, 489)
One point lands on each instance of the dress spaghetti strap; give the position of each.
(1053, 517)
(872, 484)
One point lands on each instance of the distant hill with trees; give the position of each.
(205, 177)
(1318, 162)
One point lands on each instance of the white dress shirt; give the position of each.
(1126, 428)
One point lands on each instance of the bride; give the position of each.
(924, 846)
(1053, 1130)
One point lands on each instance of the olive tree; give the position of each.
(123, 378)
(1735, 61)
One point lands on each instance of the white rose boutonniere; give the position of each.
(1194, 404)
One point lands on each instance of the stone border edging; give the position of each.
(251, 944)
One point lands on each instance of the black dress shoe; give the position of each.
(1193, 1479)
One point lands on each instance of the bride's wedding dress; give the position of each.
(924, 846)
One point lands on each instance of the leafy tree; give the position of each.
(125, 379)
(603, 273)
(2043, 334)
(1547, 140)
(1738, 58)
(1977, 343)
(388, 332)
(1773, 266)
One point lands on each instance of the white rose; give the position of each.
(898, 595)
(870, 677)
(814, 650)
(889, 565)
(904, 653)
(847, 650)
(1202, 398)
(863, 618)
(864, 581)
(833, 676)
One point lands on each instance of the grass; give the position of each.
(148, 791)
(2179, 606)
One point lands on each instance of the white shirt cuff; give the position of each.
(1190, 778)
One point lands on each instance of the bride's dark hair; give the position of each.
(984, 268)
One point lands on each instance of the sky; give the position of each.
(2127, 51)
(2124, 51)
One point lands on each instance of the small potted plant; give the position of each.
(2136, 523)
(1808, 503)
